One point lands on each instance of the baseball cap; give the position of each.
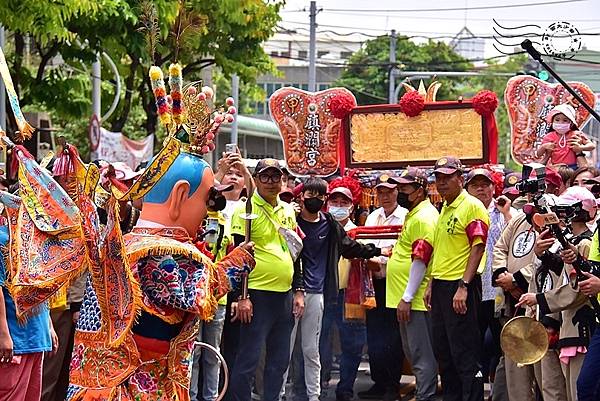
(510, 181)
(579, 194)
(412, 175)
(387, 181)
(553, 178)
(342, 191)
(286, 194)
(448, 165)
(265, 164)
(479, 172)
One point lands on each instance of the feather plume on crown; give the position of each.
(186, 112)
(428, 94)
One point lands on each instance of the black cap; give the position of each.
(479, 172)
(387, 181)
(412, 175)
(265, 164)
(448, 165)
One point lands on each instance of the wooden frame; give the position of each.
(347, 128)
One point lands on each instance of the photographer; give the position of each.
(512, 270)
(577, 320)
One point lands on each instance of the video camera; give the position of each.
(535, 185)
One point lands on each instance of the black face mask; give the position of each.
(403, 201)
(313, 205)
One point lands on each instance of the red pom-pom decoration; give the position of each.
(485, 102)
(341, 105)
(348, 182)
(412, 103)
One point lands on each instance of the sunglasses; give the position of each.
(264, 179)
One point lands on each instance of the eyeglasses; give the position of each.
(264, 179)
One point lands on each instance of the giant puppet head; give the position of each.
(177, 186)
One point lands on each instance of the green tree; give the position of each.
(226, 34)
(367, 74)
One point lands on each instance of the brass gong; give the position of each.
(524, 340)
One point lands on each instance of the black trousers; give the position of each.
(271, 326)
(457, 342)
(491, 351)
(383, 341)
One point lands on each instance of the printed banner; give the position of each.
(116, 147)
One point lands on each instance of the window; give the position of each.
(345, 55)
(322, 87)
(322, 53)
(303, 54)
(274, 54)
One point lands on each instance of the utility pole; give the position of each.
(2, 91)
(96, 87)
(312, 48)
(392, 77)
(235, 94)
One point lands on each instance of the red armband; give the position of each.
(477, 228)
(421, 249)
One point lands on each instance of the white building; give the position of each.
(468, 45)
(290, 47)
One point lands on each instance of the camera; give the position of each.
(535, 185)
(566, 213)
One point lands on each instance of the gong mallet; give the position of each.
(527, 45)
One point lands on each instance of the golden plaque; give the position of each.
(393, 138)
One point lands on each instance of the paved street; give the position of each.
(363, 382)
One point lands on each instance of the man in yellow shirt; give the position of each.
(406, 279)
(455, 291)
(267, 314)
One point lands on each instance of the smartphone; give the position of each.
(231, 148)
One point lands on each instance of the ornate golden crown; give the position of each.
(186, 112)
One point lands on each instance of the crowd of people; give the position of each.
(438, 296)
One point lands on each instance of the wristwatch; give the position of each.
(580, 154)
(463, 284)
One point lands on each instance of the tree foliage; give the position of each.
(367, 74)
(66, 35)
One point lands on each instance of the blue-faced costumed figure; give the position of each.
(141, 347)
(148, 290)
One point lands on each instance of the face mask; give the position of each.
(339, 213)
(403, 201)
(561, 128)
(313, 205)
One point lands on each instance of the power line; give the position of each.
(529, 20)
(426, 34)
(414, 10)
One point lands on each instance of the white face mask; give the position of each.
(340, 213)
(561, 128)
